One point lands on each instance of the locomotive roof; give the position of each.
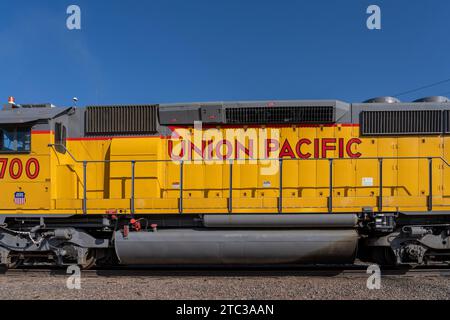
(30, 114)
(157, 119)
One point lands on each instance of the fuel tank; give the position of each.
(272, 221)
(234, 247)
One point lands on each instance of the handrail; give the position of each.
(53, 145)
(247, 159)
(181, 162)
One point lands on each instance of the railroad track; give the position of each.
(288, 271)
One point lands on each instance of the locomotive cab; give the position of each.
(25, 158)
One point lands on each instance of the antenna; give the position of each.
(75, 100)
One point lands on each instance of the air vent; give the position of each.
(383, 100)
(435, 99)
(446, 121)
(121, 120)
(280, 115)
(401, 122)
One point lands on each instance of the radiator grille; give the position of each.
(401, 122)
(262, 115)
(117, 120)
(446, 121)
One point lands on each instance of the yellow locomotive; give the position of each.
(257, 182)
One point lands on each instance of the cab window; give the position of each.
(60, 134)
(15, 139)
(60, 137)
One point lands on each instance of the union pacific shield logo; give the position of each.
(19, 198)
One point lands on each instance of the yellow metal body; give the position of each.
(59, 186)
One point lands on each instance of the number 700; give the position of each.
(16, 168)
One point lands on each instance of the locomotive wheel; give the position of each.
(14, 263)
(383, 256)
(91, 259)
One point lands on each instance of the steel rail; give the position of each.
(234, 271)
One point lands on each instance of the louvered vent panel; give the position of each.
(262, 115)
(118, 120)
(401, 122)
(446, 121)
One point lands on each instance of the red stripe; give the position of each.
(41, 132)
(115, 137)
(89, 138)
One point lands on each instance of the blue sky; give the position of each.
(155, 51)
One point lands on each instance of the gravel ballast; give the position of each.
(54, 287)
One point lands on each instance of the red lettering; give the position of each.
(316, 148)
(15, 175)
(224, 150)
(170, 150)
(299, 149)
(341, 147)
(209, 150)
(271, 145)
(228, 151)
(35, 162)
(195, 149)
(286, 150)
(240, 147)
(349, 148)
(4, 163)
(326, 147)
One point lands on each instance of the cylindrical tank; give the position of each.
(280, 221)
(233, 247)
